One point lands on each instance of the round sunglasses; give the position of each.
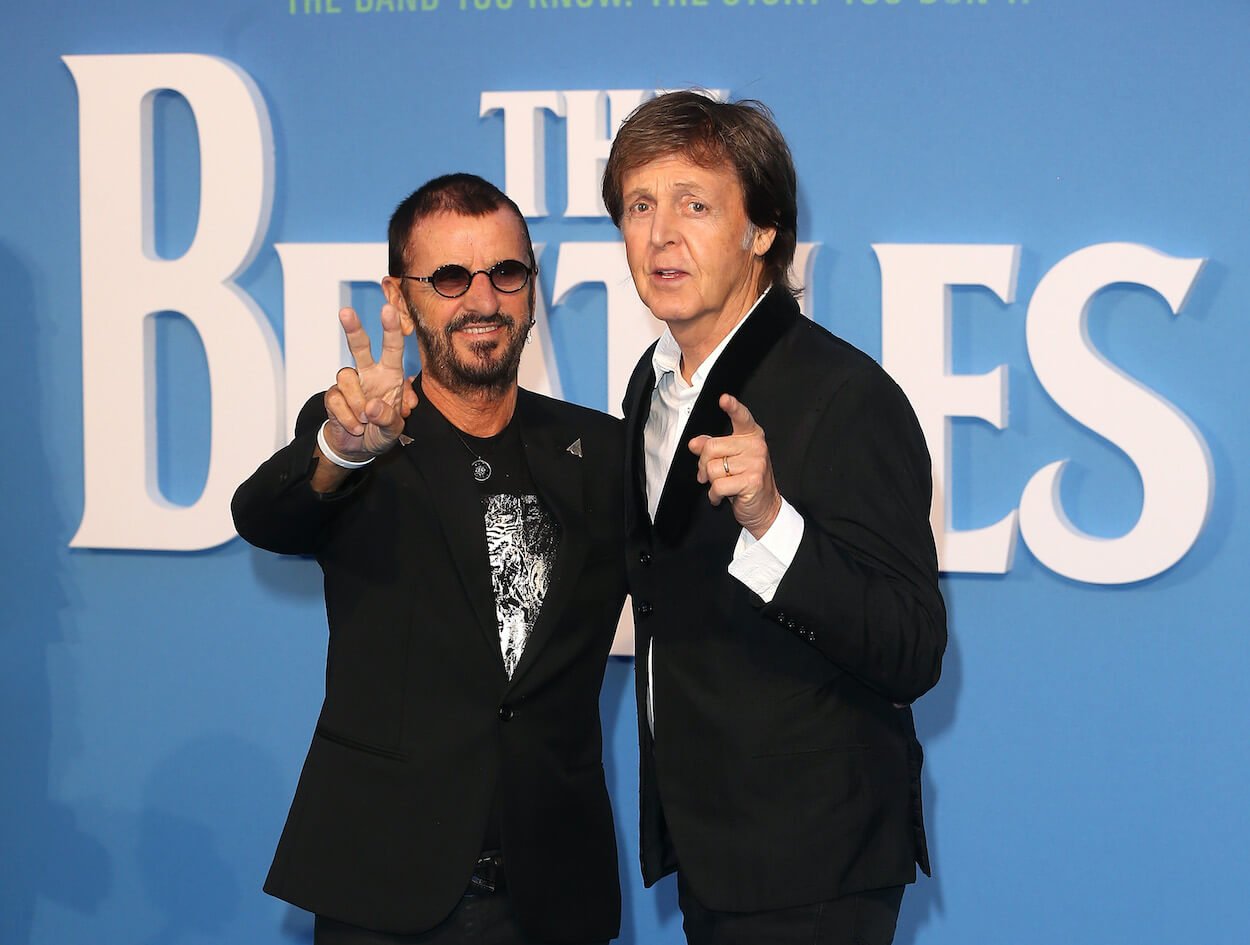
(452, 281)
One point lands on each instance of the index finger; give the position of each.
(392, 339)
(357, 338)
(739, 416)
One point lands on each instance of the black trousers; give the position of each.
(476, 920)
(866, 918)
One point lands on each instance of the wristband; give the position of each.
(334, 457)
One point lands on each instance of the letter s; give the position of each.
(1168, 451)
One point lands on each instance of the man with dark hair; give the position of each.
(470, 535)
(785, 591)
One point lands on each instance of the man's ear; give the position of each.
(763, 241)
(392, 288)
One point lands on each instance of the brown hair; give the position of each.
(742, 135)
(464, 194)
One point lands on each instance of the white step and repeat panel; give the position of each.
(1034, 213)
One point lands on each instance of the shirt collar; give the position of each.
(667, 355)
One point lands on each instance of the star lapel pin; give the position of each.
(575, 448)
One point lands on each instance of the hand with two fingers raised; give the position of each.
(368, 404)
(737, 467)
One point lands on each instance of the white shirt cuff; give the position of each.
(761, 564)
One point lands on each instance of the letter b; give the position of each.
(124, 283)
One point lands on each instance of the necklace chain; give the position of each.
(481, 469)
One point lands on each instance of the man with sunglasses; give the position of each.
(470, 535)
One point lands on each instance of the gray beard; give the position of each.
(483, 374)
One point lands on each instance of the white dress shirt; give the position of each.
(761, 563)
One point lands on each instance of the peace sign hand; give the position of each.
(368, 403)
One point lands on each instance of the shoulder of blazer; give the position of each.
(538, 411)
(819, 362)
(594, 437)
(539, 408)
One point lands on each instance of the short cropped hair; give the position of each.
(742, 135)
(464, 194)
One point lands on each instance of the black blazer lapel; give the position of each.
(557, 472)
(762, 329)
(443, 464)
(636, 406)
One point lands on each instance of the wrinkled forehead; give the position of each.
(449, 237)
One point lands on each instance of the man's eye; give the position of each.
(640, 207)
(697, 206)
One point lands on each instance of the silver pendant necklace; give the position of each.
(481, 468)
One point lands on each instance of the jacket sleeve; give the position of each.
(276, 507)
(863, 586)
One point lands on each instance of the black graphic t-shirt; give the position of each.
(522, 539)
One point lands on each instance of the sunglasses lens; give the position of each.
(509, 275)
(451, 281)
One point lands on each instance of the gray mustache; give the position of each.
(466, 321)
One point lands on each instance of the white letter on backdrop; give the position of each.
(1167, 449)
(630, 326)
(317, 281)
(915, 349)
(539, 371)
(124, 283)
(588, 139)
(523, 146)
(801, 269)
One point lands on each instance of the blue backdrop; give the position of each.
(1086, 748)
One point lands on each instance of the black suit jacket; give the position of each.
(781, 771)
(421, 725)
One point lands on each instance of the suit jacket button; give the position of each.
(644, 558)
(644, 609)
(505, 713)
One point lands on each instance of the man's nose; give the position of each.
(481, 292)
(664, 229)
